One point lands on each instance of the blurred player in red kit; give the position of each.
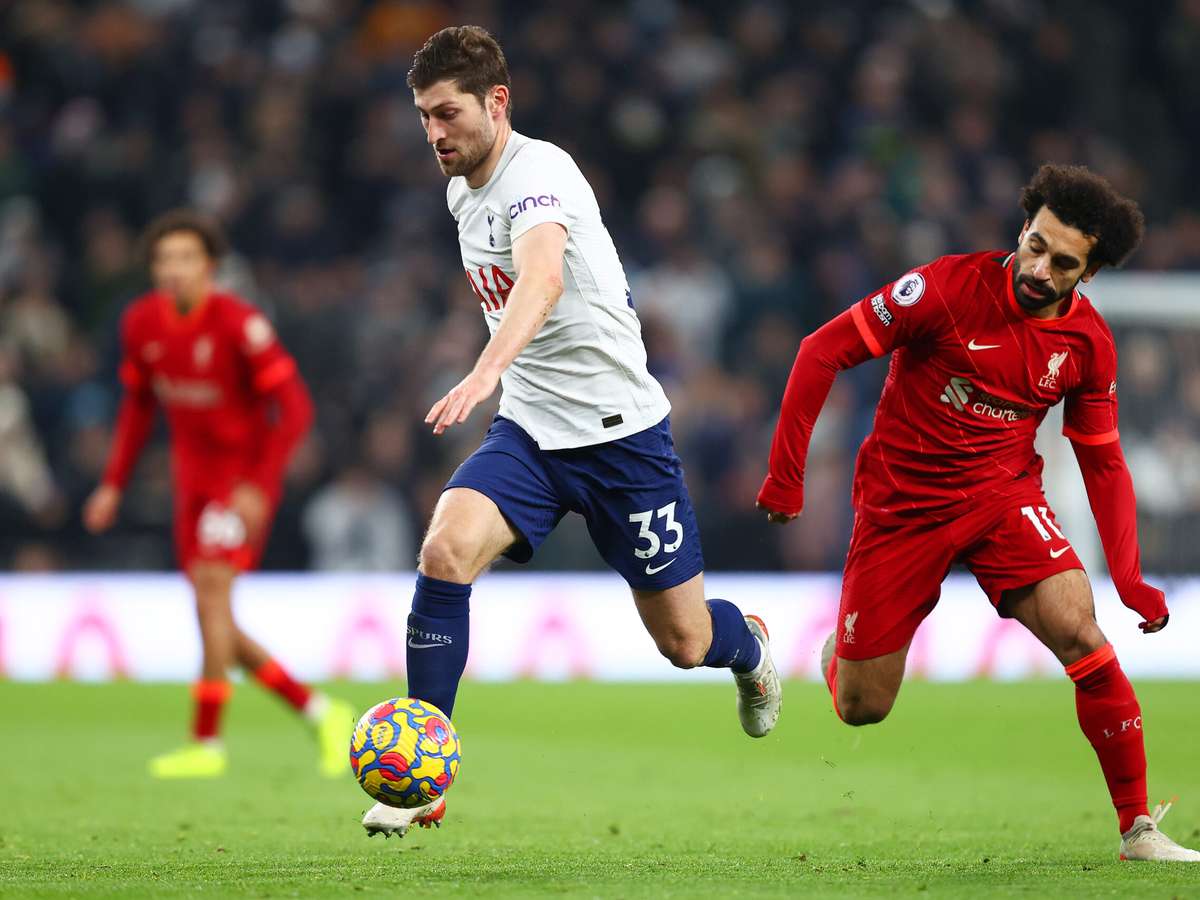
(982, 346)
(236, 407)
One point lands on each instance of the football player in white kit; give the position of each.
(582, 427)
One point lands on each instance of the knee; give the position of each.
(213, 584)
(446, 557)
(1088, 638)
(857, 708)
(682, 650)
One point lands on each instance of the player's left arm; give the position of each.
(287, 415)
(538, 258)
(1090, 421)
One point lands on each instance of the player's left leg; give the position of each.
(692, 631)
(1060, 612)
(331, 719)
(1030, 572)
(632, 494)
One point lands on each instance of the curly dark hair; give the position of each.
(187, 220)
(1085, 200)
(465, 54)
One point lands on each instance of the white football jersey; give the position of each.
(582, 379)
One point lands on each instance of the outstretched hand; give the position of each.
(1157, 625)
(454, 408)
(1150, 602)
(100, 510)
(777, 518)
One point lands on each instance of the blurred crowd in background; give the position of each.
(760, 165)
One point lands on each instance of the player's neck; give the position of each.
(1052, 310)
(483, 172)
(186, 305)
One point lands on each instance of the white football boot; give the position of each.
(1145, 842)
(388, 820)
(760, 695)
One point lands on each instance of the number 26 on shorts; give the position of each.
(654, 543)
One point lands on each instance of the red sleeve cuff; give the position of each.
(1090, 440)
(131, 376)
(777, 498)
(274, 374)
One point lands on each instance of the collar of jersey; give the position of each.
(1029, 317)
(178, 321)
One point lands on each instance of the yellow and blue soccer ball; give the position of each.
(405, 752)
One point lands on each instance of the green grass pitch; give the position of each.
(597, 791)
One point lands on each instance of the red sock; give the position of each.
(273, 676)
(831, 683)
(210, 697)
(1112, 720)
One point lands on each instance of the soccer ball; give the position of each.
(404, 752)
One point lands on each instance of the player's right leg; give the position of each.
(465, 536)
(891, 582)
(212, 581)
(863, 690)
(499, 501)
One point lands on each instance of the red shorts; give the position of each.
(207, 530)
(893, 575)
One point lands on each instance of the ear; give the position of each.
(1089, 273)
(1024, 231)
(498, 101)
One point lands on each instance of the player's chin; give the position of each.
(1033, 298)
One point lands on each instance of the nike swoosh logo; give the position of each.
(417, 646)
(652, 570)
(1055, 554)
(971, 345)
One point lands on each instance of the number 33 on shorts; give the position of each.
(654, 545)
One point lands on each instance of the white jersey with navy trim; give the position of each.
(583, 379)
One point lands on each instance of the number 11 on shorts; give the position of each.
(1032, 515)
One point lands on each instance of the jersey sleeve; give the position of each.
(542, 184)
(135, 418)
(133, 372)
(270, 365)
(908, 309)
(1090, 411)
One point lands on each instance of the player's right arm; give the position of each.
(135, 419)
(538, 258)
(539, 233)
(876, 325)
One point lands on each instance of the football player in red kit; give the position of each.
(236, 407)
(982, 346)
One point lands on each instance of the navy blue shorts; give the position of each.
(630, 492)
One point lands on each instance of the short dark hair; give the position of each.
(186, 220)
(1085, 200)
(468, 55)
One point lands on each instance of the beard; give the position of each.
(1042, 295)
(469, 153)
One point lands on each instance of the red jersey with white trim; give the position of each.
(972, 376)
(209, 371)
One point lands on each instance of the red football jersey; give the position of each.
(209, 371)
(971, 378)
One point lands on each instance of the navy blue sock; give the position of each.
(733, 646)
(438, 632)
